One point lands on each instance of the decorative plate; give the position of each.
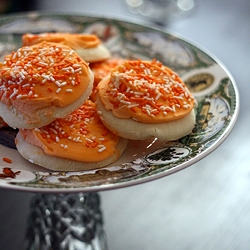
(213, 87)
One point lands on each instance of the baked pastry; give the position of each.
(142, 99)
(89, 47)
(42, 82)
(101, 70)
(77, 142)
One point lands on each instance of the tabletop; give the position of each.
(205, 206)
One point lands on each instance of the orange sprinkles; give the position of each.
(79, 136)
(24, 73)
(145, 91)
(6, 159)
(101, 70)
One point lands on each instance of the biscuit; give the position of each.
(42, 82)
(77, 142)
(89, 47)
(141, 99)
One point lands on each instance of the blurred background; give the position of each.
(206, 206)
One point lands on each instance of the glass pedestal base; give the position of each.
(65, 222)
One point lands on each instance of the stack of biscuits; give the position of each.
(76, 107)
